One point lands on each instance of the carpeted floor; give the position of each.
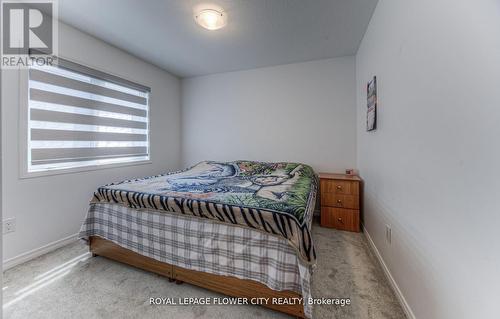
(68, 283)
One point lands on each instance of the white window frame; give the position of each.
(24, 135)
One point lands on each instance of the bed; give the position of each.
(241, 228)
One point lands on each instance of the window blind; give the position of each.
(79, 116)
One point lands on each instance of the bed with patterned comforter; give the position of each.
(276, 198)
(249, 220)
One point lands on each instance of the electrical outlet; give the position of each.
(9, 225)
(388, 234)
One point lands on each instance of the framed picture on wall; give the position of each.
(371, 115)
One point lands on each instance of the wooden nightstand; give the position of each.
(340, 203)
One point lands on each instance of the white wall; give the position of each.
(302, 112)
(432, 167)
(51, 208)
(1, 185)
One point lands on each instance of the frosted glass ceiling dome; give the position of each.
(211, 19)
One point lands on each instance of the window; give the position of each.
(81, 117)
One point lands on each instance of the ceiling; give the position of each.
(259, 32)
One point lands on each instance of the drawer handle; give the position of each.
(340, 220)
(339, 186)
(339, 201)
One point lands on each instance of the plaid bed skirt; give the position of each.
(202, 245)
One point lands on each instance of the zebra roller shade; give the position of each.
(82, 117)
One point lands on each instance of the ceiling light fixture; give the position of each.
(211, 19)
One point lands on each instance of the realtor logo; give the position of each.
(29, 32)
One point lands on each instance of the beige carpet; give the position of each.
(67, 283)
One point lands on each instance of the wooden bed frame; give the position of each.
(230, 286)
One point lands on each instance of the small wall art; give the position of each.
(371, 115)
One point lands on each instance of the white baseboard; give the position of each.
(406, 307)
(14, 261)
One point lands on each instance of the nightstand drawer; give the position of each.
(340, 218)
(340, 201)
(339, 187)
